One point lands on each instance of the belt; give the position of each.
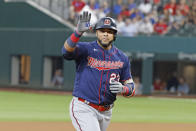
(97, 107)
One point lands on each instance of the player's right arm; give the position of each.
(70, 44)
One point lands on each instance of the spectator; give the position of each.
(58, 78)
(104, 10)
(117, 8)
(146, 27)
(93, 5)
(137, 14)
(183, 7)
(78, 5)
(130, 29)
(192, 13)
(183, 88)
(170, 8)
(145, 7)
(153, 16)
(138, 86)
(179, 19)
(124, 29)
(75, 8)
(174, 28)
(157, 6)
(161, 27)
(131, 6)
(172, 82)
(120, 23)
(158, 84)
(125, 12)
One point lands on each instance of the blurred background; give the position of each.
(159, 36)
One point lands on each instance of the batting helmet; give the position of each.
(106, 22)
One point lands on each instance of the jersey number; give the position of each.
(114, 77)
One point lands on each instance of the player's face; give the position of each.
(105, 36)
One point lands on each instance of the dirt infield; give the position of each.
(67, 126)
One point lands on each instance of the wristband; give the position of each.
(129, 90)
(73, 39)
(126, 91)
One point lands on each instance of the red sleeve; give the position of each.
(166, 7)
(73, 3)
(165, 27)
(155, 27)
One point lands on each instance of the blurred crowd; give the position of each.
(174, 84)
(142, 17)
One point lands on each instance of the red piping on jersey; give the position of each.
(107, 77)
(74, 115)
(108, 71)
(100, 88)
(106, 82)
(101, 80)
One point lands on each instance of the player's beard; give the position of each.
(105, 45)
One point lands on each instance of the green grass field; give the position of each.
(15, 106)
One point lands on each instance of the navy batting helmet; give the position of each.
(106, 22)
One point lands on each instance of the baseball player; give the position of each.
(102, 72)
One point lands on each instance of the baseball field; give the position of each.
(22, 111)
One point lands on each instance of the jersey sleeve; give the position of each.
(126, 73)
(80, 51)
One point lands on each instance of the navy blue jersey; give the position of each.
(95, 69)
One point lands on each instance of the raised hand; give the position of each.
(84, 22)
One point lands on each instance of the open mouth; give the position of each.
(105, 39)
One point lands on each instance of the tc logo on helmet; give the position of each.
(107, 22)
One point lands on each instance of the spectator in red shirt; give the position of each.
(161, 27)
(183, 7)
(170, 8)
(75, 8)
(78, 5)
(157, 84)
(156, 1)
(125, 13)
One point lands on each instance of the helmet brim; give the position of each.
(107, 27)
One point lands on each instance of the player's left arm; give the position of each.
(126, 85)
(126, 80)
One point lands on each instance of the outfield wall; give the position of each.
(40, 43)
